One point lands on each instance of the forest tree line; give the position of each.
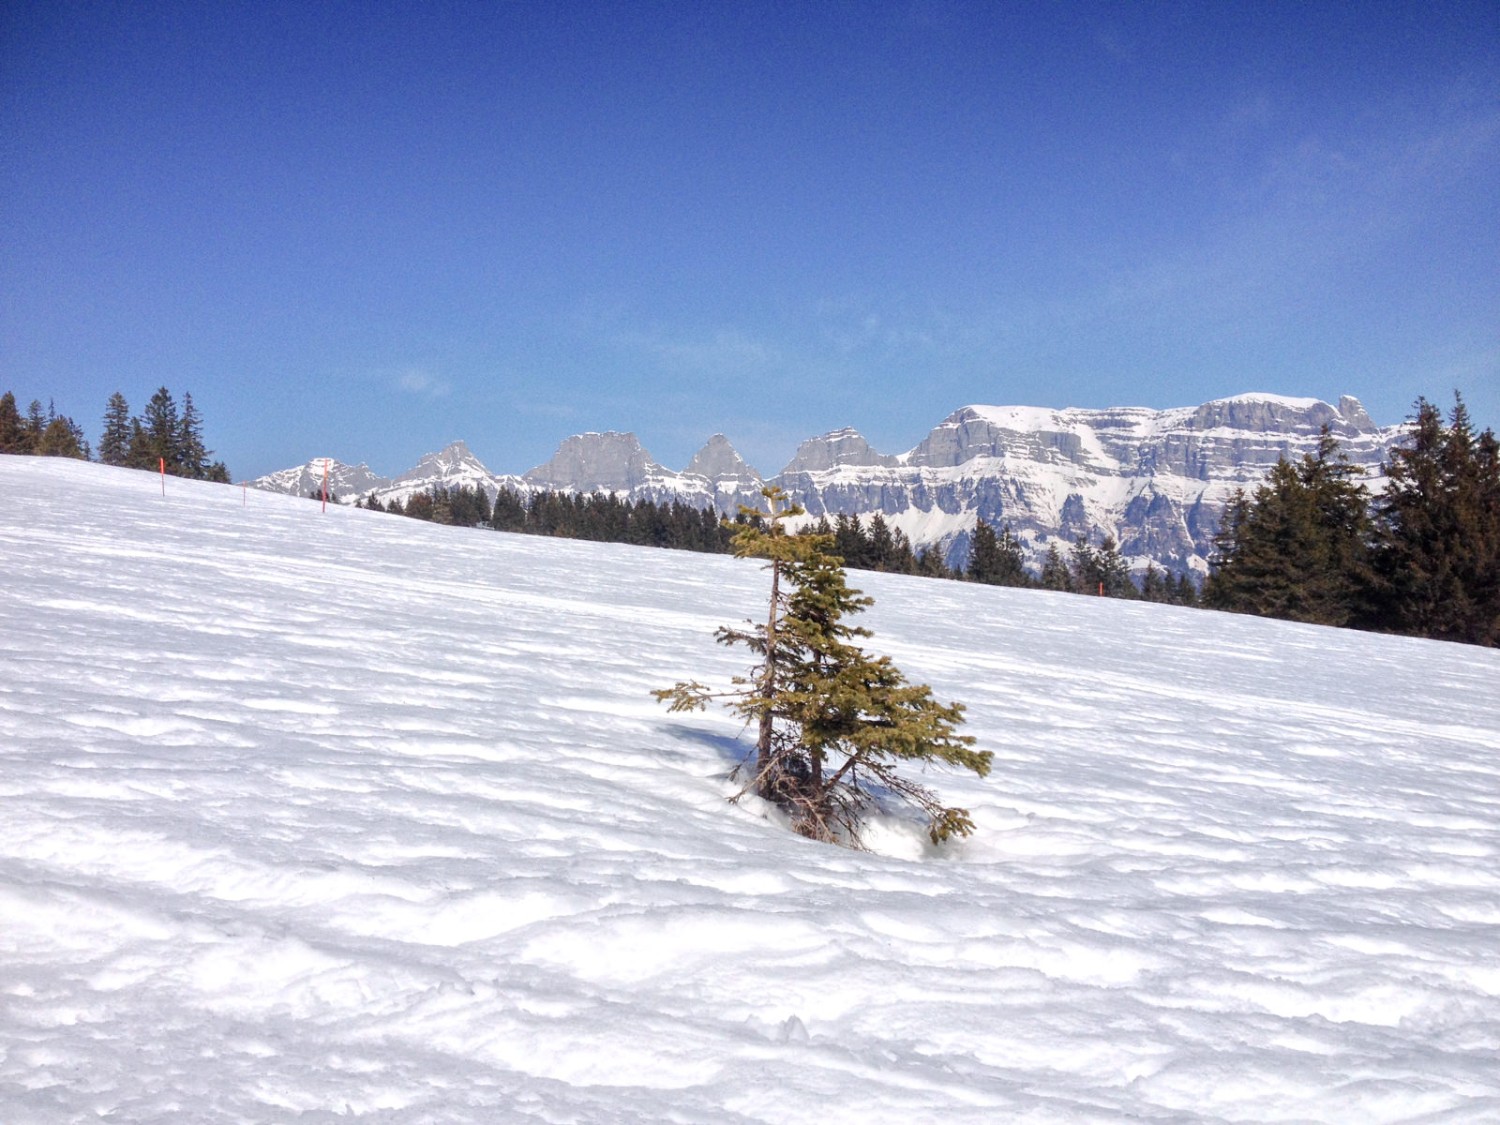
(995, 558)
(1422, 558)
(161, 437)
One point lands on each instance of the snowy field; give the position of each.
(320, 817)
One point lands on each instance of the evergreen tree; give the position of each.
(1185, 592)
(1437, 552)
(34, 426)
(1083, 567)
(1111, 572)
(930, 564)
(1155, 587)
(851, 543)
(114, 441)
(903, 557)
(996, 560)
(12, 428)
(1055, 572)
(984, 554)
(61, 438)
(138, 452)
(1296, 549)
(882, 544)
(191, 456)
(155, 441)
(833, 723)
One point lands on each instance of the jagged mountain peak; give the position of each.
(610, 462)
(454, 455)
(835, 449)
(343, 479)
(718, 460)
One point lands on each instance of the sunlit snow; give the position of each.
(345, 816)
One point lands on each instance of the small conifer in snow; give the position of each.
(833, 723)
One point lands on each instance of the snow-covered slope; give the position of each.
(346, 816)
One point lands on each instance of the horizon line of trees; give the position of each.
(995, 558)
(160, 437)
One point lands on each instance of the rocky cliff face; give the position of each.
(608, 462)
(1155, 480)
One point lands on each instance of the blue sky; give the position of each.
(363, 230)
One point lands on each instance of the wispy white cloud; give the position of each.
(724, 351)
(417, 382)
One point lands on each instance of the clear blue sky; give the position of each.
(363, 230)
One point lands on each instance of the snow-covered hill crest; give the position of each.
(1154, 480)
(345, 816)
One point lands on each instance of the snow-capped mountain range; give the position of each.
(1155, 480)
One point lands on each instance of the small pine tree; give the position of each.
(833, 724)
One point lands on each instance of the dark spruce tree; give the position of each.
(114, 440)
(1055, 573)
(190, 454)
(996, 559)
(1297, 548)
(154, 436)
(1437, 532)
(13, 436)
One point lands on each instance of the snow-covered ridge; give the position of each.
(341, 816)
(1154, 480)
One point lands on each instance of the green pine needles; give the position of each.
(833, 723)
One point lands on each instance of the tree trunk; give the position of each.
(764, 750)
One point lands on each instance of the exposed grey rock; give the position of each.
(1154, 480)
(718, 460)
(831, 450)
(607, 462)
(727, 479)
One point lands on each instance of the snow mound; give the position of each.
(343, 815)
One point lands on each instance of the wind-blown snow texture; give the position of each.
(317, 816)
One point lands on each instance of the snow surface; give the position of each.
(329, 817)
